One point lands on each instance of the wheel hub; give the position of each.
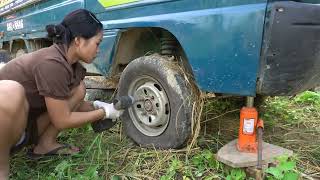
(148, 105)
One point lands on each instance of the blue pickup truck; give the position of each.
(163, 51)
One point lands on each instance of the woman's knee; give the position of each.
(13, 98)
(12, 88)
(79, 92)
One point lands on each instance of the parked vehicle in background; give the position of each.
(164, 50)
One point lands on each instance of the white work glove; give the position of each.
(111, 112)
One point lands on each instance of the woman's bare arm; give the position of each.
(62, 117)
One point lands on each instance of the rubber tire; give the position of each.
(178, 130)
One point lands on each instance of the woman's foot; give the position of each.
(55, 148)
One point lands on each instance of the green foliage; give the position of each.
(279, 107)
(202, 165)
(175, 166)
(61, 170)
(204, 161)
(90, 173)
(308, 97)
(285, 170)
(64, 171)
(291, 111)
(236, 174)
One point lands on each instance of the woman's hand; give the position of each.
(111, 112)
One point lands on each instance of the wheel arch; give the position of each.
(17, 44)
(137, 42)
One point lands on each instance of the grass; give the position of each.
(292, 123)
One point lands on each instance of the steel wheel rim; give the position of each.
(151, 113)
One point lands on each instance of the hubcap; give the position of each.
(151, 113)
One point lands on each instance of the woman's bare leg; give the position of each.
(13, 120)
(47, 132)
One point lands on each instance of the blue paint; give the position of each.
(222, 44)
(36, 18)
(106, 53)
(221, 38)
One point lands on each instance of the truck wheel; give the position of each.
(162, 115)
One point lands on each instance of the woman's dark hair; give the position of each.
(79, 23)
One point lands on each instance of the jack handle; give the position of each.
(260, 127)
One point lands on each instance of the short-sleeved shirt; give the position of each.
(44, 73)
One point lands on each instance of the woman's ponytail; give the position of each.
(57, 33)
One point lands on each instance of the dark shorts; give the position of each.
(31, 132)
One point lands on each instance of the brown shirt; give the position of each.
(45, 72)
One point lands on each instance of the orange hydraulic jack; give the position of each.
(249, 124)
(249, 150)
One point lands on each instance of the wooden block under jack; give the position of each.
(230, 156)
